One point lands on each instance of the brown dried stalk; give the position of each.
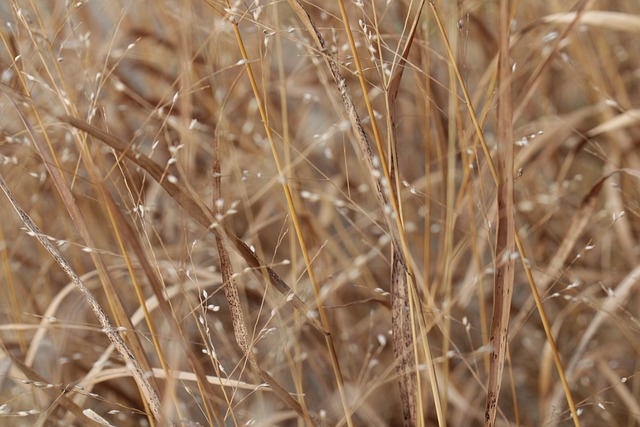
(505, 245)
(402, 284)
(107, 327)
(518, 242)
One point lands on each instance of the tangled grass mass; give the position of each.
(329, 213)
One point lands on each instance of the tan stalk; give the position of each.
(405, 301)
(428, 143)
(393, 87)
(516, 236)
(512, 382)
(296, 363)
(505, 230)
(397, 232)
(296, 221)
(453, 113)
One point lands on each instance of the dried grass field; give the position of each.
(319, 213)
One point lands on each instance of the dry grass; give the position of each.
(319, 213)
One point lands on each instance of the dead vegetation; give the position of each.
(319, 213)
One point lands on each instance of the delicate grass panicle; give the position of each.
(331, 213)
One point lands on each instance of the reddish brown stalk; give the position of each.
(410, 389)
(505, 244)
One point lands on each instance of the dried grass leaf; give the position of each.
(621, 121)
(599, 18)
